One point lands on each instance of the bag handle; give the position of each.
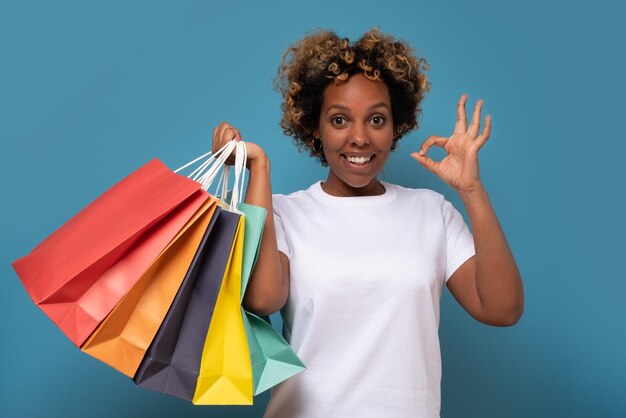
(241, 157)
(207, 171)
(215, 163)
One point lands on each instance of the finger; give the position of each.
(475, 125)
(426, 162)
(232, 133)
(484, 136)
(433, 140)
(219, 137)
(461, 118)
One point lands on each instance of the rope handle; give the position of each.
(215, 163)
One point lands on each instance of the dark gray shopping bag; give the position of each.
(172, 363)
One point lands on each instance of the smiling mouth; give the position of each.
(361, 160)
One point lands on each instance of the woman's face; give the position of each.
(356, 130)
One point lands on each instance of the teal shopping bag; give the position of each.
(273, 360)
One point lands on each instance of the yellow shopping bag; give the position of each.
(225, 370)
(122, 339)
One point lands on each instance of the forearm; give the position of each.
(498, 281)
(266, 291)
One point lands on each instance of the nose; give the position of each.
(358, 135)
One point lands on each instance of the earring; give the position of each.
(317, 145)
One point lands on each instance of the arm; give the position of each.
(268, 286)
(488, 285)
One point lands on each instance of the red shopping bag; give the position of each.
(82, 270)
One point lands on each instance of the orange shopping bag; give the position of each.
(123, 337)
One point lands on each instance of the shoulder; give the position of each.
(298, 198)
(295, 196)
(292, 197)
(425, 203)
(408, 194)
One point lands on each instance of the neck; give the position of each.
(341, 189)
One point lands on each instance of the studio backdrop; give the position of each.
(91, 91)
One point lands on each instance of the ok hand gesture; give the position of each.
(460, 167)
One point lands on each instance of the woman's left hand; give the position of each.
(460, 167)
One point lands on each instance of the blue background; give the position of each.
(89, 91)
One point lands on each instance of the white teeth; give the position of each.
(359, 160)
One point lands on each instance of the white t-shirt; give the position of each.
(366, 275)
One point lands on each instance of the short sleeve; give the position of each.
(459, 240)
(281, 239)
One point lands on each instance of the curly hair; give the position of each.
(308, 66)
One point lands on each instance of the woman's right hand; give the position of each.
(225, 132)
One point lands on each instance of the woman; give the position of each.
(357, 265)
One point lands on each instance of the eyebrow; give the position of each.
(346, 108)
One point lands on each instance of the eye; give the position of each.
(378, 120)
(338, 120)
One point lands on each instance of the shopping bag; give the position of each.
(225, 370)
(172, 362)
(122, 339)
(273, 360)
(83, 269)
(255, 223)
(225, 376)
